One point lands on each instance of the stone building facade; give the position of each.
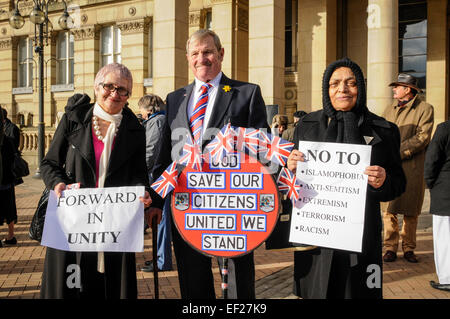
(282, 45)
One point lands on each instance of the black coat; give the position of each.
(7, 157)
(71, 159)
(317, 268)
(13, 132)
(437, 170)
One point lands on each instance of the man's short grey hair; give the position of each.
(117, 68)
(202, 34)
(151, 103)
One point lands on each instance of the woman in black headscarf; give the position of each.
(345, 118)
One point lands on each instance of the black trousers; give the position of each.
(196, 277)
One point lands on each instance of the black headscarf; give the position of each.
(343, 126)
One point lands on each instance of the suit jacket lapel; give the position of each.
(225, 93)
(182, 116)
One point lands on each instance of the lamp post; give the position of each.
(39, 17)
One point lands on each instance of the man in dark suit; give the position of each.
(200, 109)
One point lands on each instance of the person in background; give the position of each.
(437, 178)
(345, 118)
(414, 118)
(8, 212)
(279, 124)
(288, 134)
(97, 145)
(152, 111)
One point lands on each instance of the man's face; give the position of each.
(401, 92)
(204, 59)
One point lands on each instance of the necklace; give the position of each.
(97, 129)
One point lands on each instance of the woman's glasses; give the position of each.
(111, 88)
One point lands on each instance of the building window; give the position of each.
(290, 32)
(208, 19)
(25, 63)
(413, 39)
(111, 45)
(64, 56)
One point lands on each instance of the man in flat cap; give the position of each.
(414, 117)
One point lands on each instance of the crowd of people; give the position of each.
(104, 144)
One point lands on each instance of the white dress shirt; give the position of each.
(212, 93)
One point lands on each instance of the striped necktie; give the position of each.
(198, 113)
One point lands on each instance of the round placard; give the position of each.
(228, 208)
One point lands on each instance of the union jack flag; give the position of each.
(278, 150)
(191, 155)
(167, 181)
(289, 184)
(246, 140)
(265, 139)
(222, 143)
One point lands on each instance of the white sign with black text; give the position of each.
(330, 211)
(96, 219)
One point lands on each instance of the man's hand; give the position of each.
(147, 200)
(151, 213)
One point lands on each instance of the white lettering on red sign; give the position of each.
(254, 222)
(218, 201)
(224, 242)
(206, 180)
(210, 222)
(246, 180)
(229, 161)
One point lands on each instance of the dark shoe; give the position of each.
(389, 256)
(1, 244)
(148, 268)
(435, 285)
(410, 256)
(11, 241)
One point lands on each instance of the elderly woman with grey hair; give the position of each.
(96, 145)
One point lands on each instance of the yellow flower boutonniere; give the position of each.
(226, 88)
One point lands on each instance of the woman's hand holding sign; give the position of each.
(59, 188)
(377, 176)
(293, 158)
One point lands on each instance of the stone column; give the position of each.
(223, 17)
(49, 80)
(134, 46)
(196, 21)
(86, 59)
(382, 52)
(436, 59)
(266, 49)
(230, 22)
(316, 49)
(170, 30)
(8, 60)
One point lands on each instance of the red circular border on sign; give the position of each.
(253, 238)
